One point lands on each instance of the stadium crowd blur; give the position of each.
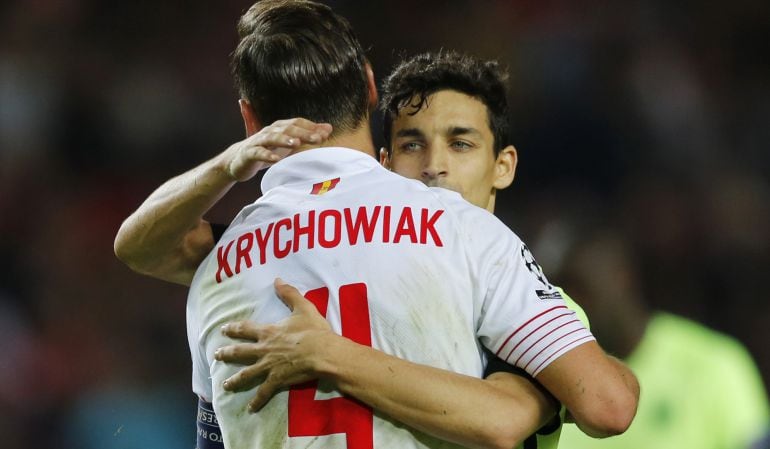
(649, 117)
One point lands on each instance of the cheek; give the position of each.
(405, 166)
(476, 181)
(475, 193)
(475, 174)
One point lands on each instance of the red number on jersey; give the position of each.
(310, 417)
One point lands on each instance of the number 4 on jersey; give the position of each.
(310, 417)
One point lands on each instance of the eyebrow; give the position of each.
(462, 130)
(452, 131)
(409, 132)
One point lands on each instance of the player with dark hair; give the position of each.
(456, 80)
(289, 52)
(231, 282)
(414, 79)
(439, 129)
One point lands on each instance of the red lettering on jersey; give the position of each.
(405, 227)
(308, 416)
(361, 222)
(222, 262)
(308, 230)
(427, 225)
(336, 228)
(262, 242)
(386, 224)
(354, 313)
(279, 252)
(242, 251)
(325, 229)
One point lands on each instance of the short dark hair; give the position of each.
(415, 79)
(297, 58)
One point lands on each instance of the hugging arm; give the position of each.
(498, 412)
(167, 237)
(600, 392)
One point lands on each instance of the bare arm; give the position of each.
(167, 237)
(498, 412)
(600, 392)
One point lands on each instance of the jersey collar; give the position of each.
(316, 165)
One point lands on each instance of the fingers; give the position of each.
(245, 379)
(317, 134)
(242, 353)
(252, 376)
(290, 296)
(264, 393)
(302, 127)
(260, 153)
(273, 143)
(246, 330)
(245, 160)
(291, 133)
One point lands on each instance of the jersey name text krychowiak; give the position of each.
(327, 229)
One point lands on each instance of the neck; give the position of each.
(491, 204)
(360, 139)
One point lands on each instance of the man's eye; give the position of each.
(411, 146)
(461, 145)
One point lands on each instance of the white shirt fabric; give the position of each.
(432, 274)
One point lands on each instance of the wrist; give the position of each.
(222, 165)
(331, 355)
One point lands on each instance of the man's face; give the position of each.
(448, 143)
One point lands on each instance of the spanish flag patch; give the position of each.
(322, 187)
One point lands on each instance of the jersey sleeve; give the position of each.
(524, 320)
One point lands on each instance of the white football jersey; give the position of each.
(413, 271)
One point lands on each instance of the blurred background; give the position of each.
(649, 118)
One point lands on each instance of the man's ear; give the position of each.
(505, 167)
(250, 120)
(384, 158)
(372, 85)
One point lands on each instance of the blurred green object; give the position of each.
(699, 389)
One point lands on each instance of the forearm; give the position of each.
(498, 412)
(627, 376)
(600, 392)
(621, 396)
(166, 237)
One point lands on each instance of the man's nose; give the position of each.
(436, 164)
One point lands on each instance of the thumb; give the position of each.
(289, 295)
